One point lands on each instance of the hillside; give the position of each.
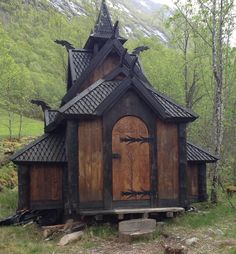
(137, 17)
(30, 127)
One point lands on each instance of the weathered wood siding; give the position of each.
(105, 68)
(192, 172)
(131, 170)
(90, 161)
(45, 183)
(167, 160)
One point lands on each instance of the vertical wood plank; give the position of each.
(23, 187)
(202, 182)
(90, 160)
(167, 160)
(72, 147)
(192, 173)
(45, 182)
(183, 181)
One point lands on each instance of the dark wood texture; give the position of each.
(167, 160)
(130, 104)
(183, 188)
(45, 182)
(23, 187)
(90, 160)
(72, 166)
(131, 170)
(192, 173)
(110, 63)
(202, 182)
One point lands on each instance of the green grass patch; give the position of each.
(102, 231)
(8, 202)
(30, 127)
(208, 215)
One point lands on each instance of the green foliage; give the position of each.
(209, 216)
(8, 202)
(30, 126)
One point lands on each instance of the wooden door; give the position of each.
(130, 160)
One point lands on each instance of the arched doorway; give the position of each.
(130, 160)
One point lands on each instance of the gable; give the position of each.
(112, 45)
(109, 64)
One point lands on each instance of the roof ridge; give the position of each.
(81, 50)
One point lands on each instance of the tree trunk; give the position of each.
(20, 126)
(10, 124)
(217, 65)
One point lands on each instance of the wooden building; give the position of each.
(115, 142)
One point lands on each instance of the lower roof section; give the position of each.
(51, 148)
(47, 148)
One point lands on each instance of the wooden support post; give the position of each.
(73, 167)
(23, 187)
(107, 148)
(183, 188)
(154, 169)
(202, 183)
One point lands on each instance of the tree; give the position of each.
(215, 17)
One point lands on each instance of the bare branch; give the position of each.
(191, 25)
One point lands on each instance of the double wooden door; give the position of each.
(130, 160)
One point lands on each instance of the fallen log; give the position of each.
(70, 238)
(69, 227)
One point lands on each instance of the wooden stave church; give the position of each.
(111, 125)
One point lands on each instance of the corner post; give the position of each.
(183, 188)
(73, 170)
(23, 187)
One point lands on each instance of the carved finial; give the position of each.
(65, 44)
(115, 30)
(140, 49)
(132, 66)
(122, 58)
(41, 104)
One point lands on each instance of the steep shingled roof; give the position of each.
(88, 101)
(195, 153)
(47, 148)
(104, 24)
(79, 61)
(103, 29)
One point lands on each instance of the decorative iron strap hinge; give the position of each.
(142, 193)
(141, 140)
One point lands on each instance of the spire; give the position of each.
(103, 29)
(104, 24)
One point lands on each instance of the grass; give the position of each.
(27, 240)
(30, 127)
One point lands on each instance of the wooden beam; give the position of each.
(202, 183)
(23, 187)
(183, 191)
(73, 167)
(107, 177)
(134, 211)
(154, 169)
